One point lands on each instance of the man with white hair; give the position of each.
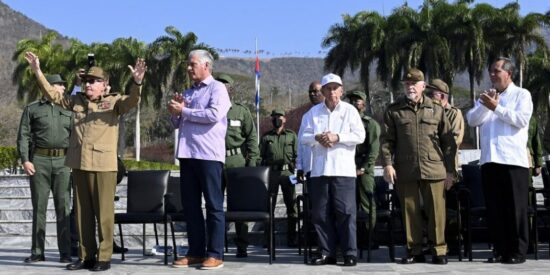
(332, 129)
(200, 113)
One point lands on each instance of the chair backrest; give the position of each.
(381, 188)
(545, 177)
(173, 202)
(146, 190)
(248, 189)
(471, 176)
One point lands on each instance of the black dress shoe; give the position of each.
(517, 259)
(323, 260)
(65, 259)
(241, 253)
(117, 249)
(101, 266)
(35, 258)
(80, 264)
(495, 259)
(413, 259)
(439, 259)
(350, 260)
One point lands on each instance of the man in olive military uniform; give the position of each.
(92, 154)
(278, 151)
(42, 142)
(365, 156)
(241, 144)
(419, 143)
(440, 92)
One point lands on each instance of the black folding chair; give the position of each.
(249, 199)
(145, 203)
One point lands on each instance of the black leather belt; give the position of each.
(50, 152)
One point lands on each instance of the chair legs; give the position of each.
(121, 240)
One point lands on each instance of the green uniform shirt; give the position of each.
(534, 144)
(418, 140)
(241, 133)
(279, 149)
(43, 125)
(367, 152)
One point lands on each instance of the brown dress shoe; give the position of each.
(188, 261)
(212, 263)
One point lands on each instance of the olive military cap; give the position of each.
(358, 94)
(224, 78)
(95, 72)
(278, 112)
(55, 79)
(413, 75)
(439, 85)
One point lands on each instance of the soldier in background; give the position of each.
(42, 143)
(365, 158)
(278, 151)
(241, 144)
(440, 92)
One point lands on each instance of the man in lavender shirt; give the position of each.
(200, 114)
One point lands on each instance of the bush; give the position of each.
(8, 157)
(148, 165)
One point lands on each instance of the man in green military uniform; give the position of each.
(278, 150)
(419, 142)
(241, 144)
(439, 92)
(534, 145)
(92, 154)
(365, 157)
(42, 142)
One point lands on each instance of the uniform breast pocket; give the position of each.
(104, 117)
(65, 117)
(429, 126)
(41, 120)
(405, 126)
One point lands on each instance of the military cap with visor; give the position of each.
(95, 72)
(356, 94)
(55, 79)
(439, 85)
(278, 112)
(413, 75)
(224, 78)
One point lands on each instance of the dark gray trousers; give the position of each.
(334, 213)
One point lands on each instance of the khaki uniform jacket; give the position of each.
(94, 139)
(418, 141)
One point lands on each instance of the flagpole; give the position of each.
(257, 74)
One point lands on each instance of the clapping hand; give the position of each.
(490, 99)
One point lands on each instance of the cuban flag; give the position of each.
(258, 74)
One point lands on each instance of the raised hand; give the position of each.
(138, 71)
(33, 60)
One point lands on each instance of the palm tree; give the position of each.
(513, 35)
(538, 78)
(168, 56)
(52, 60)
(356, 44)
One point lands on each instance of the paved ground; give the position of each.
(288, 262)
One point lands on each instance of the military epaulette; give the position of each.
(111, 94)
(33, 103)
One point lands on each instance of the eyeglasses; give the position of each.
(91, 81)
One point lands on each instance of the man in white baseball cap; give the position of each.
(332, 187)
